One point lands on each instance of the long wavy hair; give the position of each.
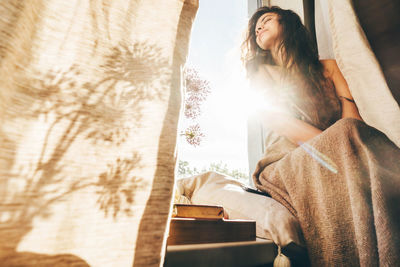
(299, 57)
(299, 52)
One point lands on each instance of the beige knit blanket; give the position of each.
(344, 187)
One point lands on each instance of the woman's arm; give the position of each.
(349, 108)
(297, 131)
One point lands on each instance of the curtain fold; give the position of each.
(89, 105)
(362, 71)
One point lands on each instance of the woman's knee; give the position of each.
(348, 125)
(349, 122)
(341, 132)
(350, 128)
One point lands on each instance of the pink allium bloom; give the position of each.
(196, 88)
(193, 135)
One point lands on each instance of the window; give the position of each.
(214, 55)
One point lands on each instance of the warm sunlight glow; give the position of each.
(236, 96)
(256, 103)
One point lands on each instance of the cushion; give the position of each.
(273, 221)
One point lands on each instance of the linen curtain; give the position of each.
(89, 105)
(362, 70)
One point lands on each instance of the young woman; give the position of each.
(343, 182)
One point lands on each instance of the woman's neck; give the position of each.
(277, 56)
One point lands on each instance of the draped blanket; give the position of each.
(344, 187)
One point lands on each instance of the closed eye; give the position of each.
(262, 23)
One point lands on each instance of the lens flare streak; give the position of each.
(321, 158)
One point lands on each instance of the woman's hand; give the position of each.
(297, 131)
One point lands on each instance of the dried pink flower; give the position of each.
(197, 90)
(196, 87)
(193, 135)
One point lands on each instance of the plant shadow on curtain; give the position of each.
(74, 109)
(89, 105)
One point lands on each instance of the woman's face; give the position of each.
(268, 31)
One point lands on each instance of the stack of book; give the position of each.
(196, 224)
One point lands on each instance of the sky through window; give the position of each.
(214, 53)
